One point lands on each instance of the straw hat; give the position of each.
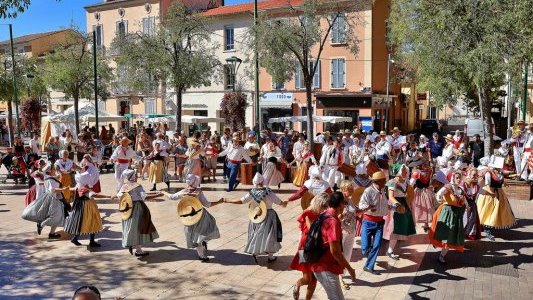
(190, 210)
(237, 139)
(396, 129)
(257, 211)
(125, 206)
(382, 133)
(379, 175)
(448, 137)
(520, 122)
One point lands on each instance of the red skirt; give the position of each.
(96, 188)
(296, 264)
(358, 225)
(31, 194)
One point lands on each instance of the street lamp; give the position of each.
(15, 96)
(233, 64)
(389, 62)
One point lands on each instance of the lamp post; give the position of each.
(256, 94)
(233, 64)
(389, 61)
(95, 84)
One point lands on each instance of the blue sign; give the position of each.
(366, 123)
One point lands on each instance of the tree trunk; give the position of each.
(76, 97)
(485, 106)
(10, 122)
(309, 98)
(179, 96)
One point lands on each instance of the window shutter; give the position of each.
(334, 72)
(341, 35)
(342, 73)
(316, 78)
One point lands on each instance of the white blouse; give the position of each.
(201, 196)
(269, 199)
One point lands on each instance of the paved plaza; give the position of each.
(32, 267)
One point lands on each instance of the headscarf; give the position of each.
(193, 181)
(128, 175)
(258, 179)
(62, 152)
(47, 168)
(314, 172)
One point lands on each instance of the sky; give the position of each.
(49, 15)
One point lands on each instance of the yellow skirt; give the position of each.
(495, 211)
(156, 171)
(66, 181)
(301, 174)
(91, 221)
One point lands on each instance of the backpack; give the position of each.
(314, 244)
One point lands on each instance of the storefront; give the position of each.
(352, 105)
(276, 105)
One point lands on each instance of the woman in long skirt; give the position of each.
(401, 219)
(270, 156)
(348, 224)
(312, 187)
(87, 165)
(158, 171)
(193, 165)
(66, 167)
(493, 207)
(447, 230)
(306, 160)
(206, 229)
(471, 217)
(49, 209)
(38, 189)
(85, 216)
(424, 203)
(263, 238)
(138, 229)
(317, 206)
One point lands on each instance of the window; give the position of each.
(278, 85)
(432, 112)
(338, 73)
(122, 29)
(122, 73)
(338, 30)
(148, 26)
(149, 106)
(229, 78)
(299, 76)
(229, 38)
(99, 35)
(101, 105)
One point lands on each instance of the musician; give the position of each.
(235, 154)
(330, 161)
(519, 139)
(525, 169)
(270, 155)
(122, 155)
(253, 150)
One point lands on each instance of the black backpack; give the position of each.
(314, 244)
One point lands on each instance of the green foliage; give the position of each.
(457, 47)
(69, 69)
(11, 8)
(180, 52)
(30, 114)
(299, 36)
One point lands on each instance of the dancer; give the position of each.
(85, 215)
(317, 206)
(49, 209)
(200, 226)
(424, 202)
(330, 161)
(122, 156)
(235, 154)
(312, 187)
(447, 230)
(264, 231)
(270, 155)
(401, 220)
(493, 207)
(194, 154)
(38, 189)
(158, 172)
(471, 217)
(348, 224)
(304, 160)
(87, 165)
(65, 167)
(137, 226)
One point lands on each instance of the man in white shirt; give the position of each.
(235, 154)
(347, 142)
(35, 145)
(330, 161)
(225, 142)
(122, 157)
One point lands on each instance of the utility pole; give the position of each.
(256, 94)
(95, 83)
(15, 95)
(387, 95)
(524, 94)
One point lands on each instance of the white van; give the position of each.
(474, 126)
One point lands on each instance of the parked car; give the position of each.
(474, 126)
(428, 127)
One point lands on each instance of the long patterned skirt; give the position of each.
(67, 180)
(84, 218)
(471, 222)
(192, 166)
(424, 205)
(205, 230)
(447, 230)
(158, 172)
(47, 210)
(138, 230)
(494, 210)
(272, 175)
(301, 174)
(265, 237)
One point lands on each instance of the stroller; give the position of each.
(107, 151)
(16, 168)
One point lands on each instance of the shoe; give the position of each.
(273, 259)
(152, 189)
(442, 260)
(295, 292)
(393, 256)
(255, 258)
(130, 249)
(54, 236)
(141, 254)
(236, 184)
(203, 259)
(94, 244)
(345, 285)
(39, 228)
(75, 242)
(371, 271)
(204, 244)
(279, 186)
(168, 184)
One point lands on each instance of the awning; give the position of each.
(184, 118)
(324, 119)
(276, 100)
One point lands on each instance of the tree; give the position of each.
(462, 46)
(69, 69)
(30, 114)
(11, 8)
(233, 107)
(301, 38)
(179, 52)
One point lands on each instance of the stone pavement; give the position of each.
(31, 267)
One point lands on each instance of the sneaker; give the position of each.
(94, 244)
(393, 256)
(371, 271)
(54, 236)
